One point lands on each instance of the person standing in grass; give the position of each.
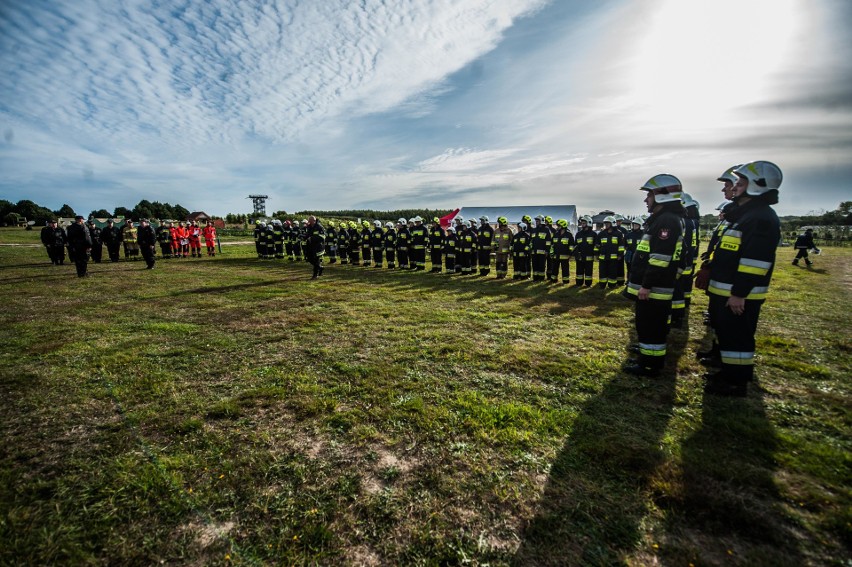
(79, 245)
(128, 236)
(147, 240)
(503, 236)
(654, 271)
(804, 243)
(584, 252)
(389, 239)
(209, 233)
(436, 244)
(54, 239)
(521, 243)
(97, 244)
(315, 245)
(740, 273)
(111, 236)
(377, 242)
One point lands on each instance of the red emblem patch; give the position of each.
(664, 233)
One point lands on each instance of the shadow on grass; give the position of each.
(729, 503)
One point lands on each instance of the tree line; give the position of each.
(26, 210)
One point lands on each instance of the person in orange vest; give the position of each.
(175, 236)
(183, 240)
(209, 233)
(194, 237)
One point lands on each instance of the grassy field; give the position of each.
(231, 411)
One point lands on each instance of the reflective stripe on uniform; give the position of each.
(737, 358)
(756, 267)
(724, 289)
(648, 349)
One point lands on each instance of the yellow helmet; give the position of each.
(562, 222)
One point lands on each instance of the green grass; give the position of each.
(231, 411)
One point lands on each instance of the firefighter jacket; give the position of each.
(467, 239)
(521, 244)
(584, 243)
(354, 239)
(257, 230)
(403, 239)
(632, 239)
(805, 242)
(95, 233)
(277, 234)
(164, 235)
(57, 237)
(79, 238)
(436, 236)
(331, 236)
(146, 237)
(315, 238)
(450, 244)
(686, 257)
(209, 233)
(343, 239)
(128, 235)
(609, 244)
(419, 236)
(503, 239)
(389, 239)
(541, 239)
(743, 261)
(563, 244)
(366, 236)
(110, 235)
(655, 262)
(377, 240)
(485, 239)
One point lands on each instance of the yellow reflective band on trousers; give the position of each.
(737, 358)
(724, 289)
(652, 349)
(658, 293)
(679, 304)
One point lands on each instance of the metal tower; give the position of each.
(259, 204)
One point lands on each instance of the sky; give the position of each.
(391, 104)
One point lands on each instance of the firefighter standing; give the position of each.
(502, 247)
(542, 239)
(419, 240)
(584, 252)
(111, 236)
(609, 247)
(436, 244)
(164, 237)
(521, 246)
(563, 248)
(484, 244)
(403, 237)
(128, 237)
(209, 234)
(389, 241)
(450, 245)
(79, 245)
(97, 243)
(147, 241)
(653, 272)
(377, 243)
(314, 245)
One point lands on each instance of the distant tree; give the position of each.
(32, 212)
(100, 214)
(122, 212)
(11, 219)
(163, 210)
(66, 212)
(6, 207)
(180, 213)
(143, 210)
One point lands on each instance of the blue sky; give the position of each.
(420, 103)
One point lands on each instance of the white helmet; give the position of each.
(459, 219)
(540, 217)
(729, 174)
(522, 225)
(762, 176)
(472, 222)
(484, 218)
(586, 218)
(670, 186)
(262, 223)
(609, 218)
(276, 222)
(401, 220)
(377, 223)
(688, 201)
(723, 204)
(417, 219)
(389, 224)
(451, 229)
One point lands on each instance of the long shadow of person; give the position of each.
(730, 503)
(595, 498)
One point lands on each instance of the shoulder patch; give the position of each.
(663, 234)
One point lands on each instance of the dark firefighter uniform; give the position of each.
(541, 241)
(366, 248)
(403, 239)
(419, 239)
(609, 248)
(377, 243)
(521, 244)
(563, 248)
(164, 237)
(436, 245)
(584, 252)
(331, 243)
(484, 244)
(390, 245)
(655, 267)
(450, 245)
(315, 246)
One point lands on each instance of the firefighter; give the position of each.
(804, 243)
(47, 240)
(97, 244)
(377, 243)
(542, 240)
(450, 246)
(147, 240)
(354, 244)
(502, 246)
(258, 230)
(55, 238)
(584, 252)
(209, 234)
(551, 270)
(164, 237)
(314, 244)
(419, 240)
(683, 287)
(562, 250)
(403, 239)
(609, 248)
(111, 236)
(484, 245)
(79, 245)
(277, 239)
(389, 243)
(521, 247)
(466, 245)
(473, 229)
(331, 242)
(436, 244)
(653, 272)
(343, 242)
(460, 253)
(128, 236)
(740, 272)
(632, 239)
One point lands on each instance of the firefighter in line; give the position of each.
(314, 244)
(278, 239)
(619, 225)
(377, 243)
(164, 237)
(551, 269)
(128, 237)
(47, 240)
(562, 251)
(389, 243)
(466, 244)
(193, 236)
(436, 245)
(366, 248)
(331, 242)
(54, 239)
(584, 252)
(354, 244)
(542, 240)
(97, 244)
(270, 240)
(683, 288)
(634, 235)
(804, 243)
(653, 272)
(259, 229)
(209, 234)
(484, 245)
(521, 248)
(609, 248)
(403, 239)
(740, 272)
(419, 241)
(503, 236)
(474, 253)
(450, 246)
(111, 236)
(343, 242)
